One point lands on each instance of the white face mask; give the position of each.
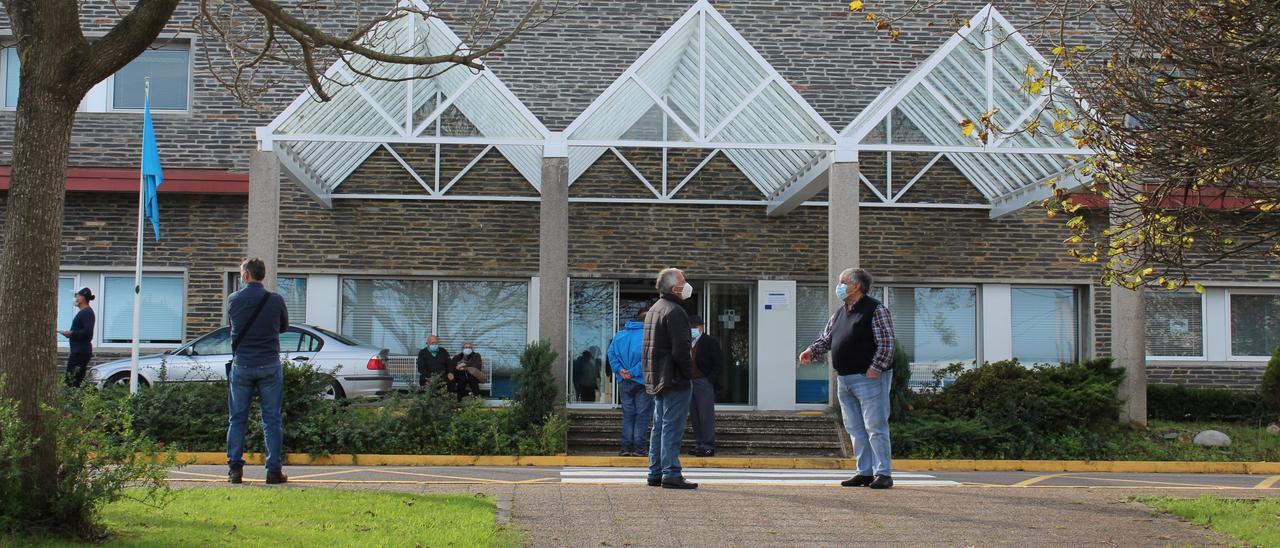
(686, 291)
(695, 332)
(466, 351)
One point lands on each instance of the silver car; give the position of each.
(358, 370)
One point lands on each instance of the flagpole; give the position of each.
(137, 274)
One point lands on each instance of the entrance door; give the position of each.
(729, 318)
(591, 327)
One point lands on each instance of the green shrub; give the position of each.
(1182, 403)
(1271, 381)
(536, 393)
(99, 454)
(1006, 410)
(900, 391)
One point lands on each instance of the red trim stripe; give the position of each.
(176, 181)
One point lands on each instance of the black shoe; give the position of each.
(655, 482)
(626, 453)
(881, 482)
(235, 473)
(857, 481)
(678, 483)
(694, 452)
(276, 477)
(708, 453)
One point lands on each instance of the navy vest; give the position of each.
(853, 340)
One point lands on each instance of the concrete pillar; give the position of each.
(843, 229)
(264, 211)
(553, 258)
(1129, 338)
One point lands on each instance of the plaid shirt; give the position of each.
(881, 326)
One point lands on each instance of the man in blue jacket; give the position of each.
(625, 358)
(257, 318)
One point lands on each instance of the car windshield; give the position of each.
(340, 338)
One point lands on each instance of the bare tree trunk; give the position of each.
(29, 274)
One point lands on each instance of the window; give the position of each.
(162, 309)
(213, 344)
(591, 329)
(812, 313)
(168, 68)
(297, 341)
(1175, 327)
(1255, 324)
(494, 315)
(391, 314)
(168, 65)
(66, 303)
(10, 77)
(1045, 324)
(935, 326)
(294, 291)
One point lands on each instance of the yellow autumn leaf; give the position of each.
(968, 128)
(855, 5)
(1035, 87)
(1200, 289)
(1058, 126)
(1059, 50)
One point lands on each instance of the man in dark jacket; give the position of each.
(257, 318)
(668, 368)
(433, 362)
(459, 379)
(708, 363)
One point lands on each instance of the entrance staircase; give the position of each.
(738, 433)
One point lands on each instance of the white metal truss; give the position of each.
(701, 85)
(981, 69)
(321, 143)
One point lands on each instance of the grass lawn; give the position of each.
(290, 516)
(1250, 521)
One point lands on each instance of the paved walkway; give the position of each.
(613, 507)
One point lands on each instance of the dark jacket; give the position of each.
(81, 339)
(668, 364)
(261, 344)
(853, 337)
(436, 365)
(710, 359)
(474, 361)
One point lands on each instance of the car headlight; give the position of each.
(95, 375)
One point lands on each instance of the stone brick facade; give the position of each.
(837, 63)
(1246, 377)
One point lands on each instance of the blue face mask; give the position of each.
(842, 292)
(433, 348)
(695, 332)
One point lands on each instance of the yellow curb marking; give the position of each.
(1267, 483)
(197, 474)
(538, 480)
(1032, 481)
(322, 474)
(1150, 482)
(424, 475)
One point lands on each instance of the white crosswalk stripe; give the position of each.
(738, 476)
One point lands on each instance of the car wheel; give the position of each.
(334, 391)
(122, 380)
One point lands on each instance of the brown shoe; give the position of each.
(881, 482)
(235, 473)
(276, 477)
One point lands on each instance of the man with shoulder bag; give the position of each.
(257, 318)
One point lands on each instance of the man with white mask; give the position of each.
(668, 371)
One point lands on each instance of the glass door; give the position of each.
(592, 323)
(729, 309)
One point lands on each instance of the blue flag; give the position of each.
(152, 174)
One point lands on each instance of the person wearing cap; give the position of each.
(80, 337)
(708, 362)
(668, 367)
(637, 405)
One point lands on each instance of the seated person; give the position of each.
(467, 372)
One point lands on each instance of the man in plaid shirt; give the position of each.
(860, 338)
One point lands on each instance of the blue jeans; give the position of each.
(268, 382)
(670, 413)
(637, 411)
(864, 403)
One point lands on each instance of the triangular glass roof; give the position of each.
(984, 68)
(381, 104)
(702, 85)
